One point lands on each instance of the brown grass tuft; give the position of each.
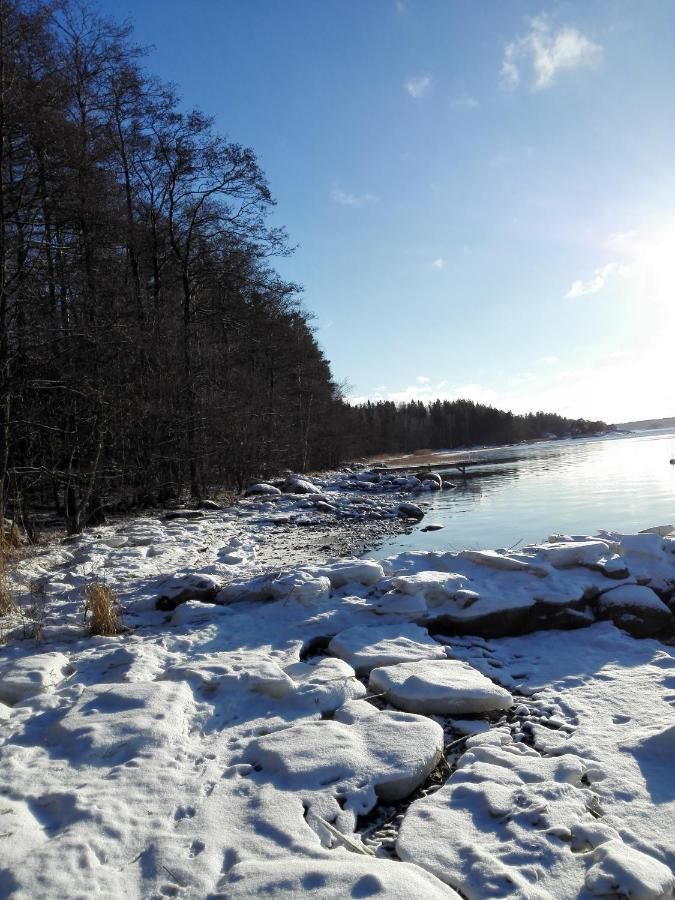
(7, 601)
(101, 610)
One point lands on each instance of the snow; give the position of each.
(231, 747)
(333, 879)
(439, 687)
(366, 647)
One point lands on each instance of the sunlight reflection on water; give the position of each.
(572, 487)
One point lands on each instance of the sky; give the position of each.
(481, 194)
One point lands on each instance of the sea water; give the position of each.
(619, 483)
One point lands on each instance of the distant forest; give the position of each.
(149, 351)
(386, 427)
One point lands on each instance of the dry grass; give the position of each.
(7, 601)
(101, 610)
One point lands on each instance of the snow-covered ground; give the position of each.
(476, 724)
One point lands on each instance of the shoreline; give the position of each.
(283, 720)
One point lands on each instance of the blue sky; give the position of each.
(482, 193)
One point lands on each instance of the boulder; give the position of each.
(410, 511)
(187, 587)
(297, 485)
(262, 489)
(635, 608)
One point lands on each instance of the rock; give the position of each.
(349, 875)
(366, 647)
(436, 587)
(432, 526)
(301, 587)
(410, 511)
(187, 587)
(485, 831)
(324, 684)
(297, 485)
(448, 485)
(635, 608)
(434, 478)
(25, 676)
(183, 514)
(574, 553)
(262, 489)
(209, 504)
(624, 871)
(348, 571)
(343, 765)
(439, 687)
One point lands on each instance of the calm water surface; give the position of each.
(572, 487)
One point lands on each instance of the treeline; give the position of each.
(387, 427)
(148, 349)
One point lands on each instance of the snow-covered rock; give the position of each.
(439, 687)
(366, 647)
(335, 878)
(340, 767)
(627, 872)
(25, 676)
(262, 489)
(297, 485)
(636, 609)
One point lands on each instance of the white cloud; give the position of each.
(548, 361)
(438, 263)
(422, 379)
(595, 283)
(345, 198)
(546, 52)
(418, 86)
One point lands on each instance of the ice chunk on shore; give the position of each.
(439, 687)
(367, 646)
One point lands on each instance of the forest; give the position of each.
(149, 350)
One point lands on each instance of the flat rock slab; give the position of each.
(439, 687)
(362, 754)
(346, 875)
(30, 675)
(366, 647)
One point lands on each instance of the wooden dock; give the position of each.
(461, 465)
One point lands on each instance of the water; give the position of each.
(570, 487)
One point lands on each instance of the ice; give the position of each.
(367, 647)
(439, 687)
(343, 875)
